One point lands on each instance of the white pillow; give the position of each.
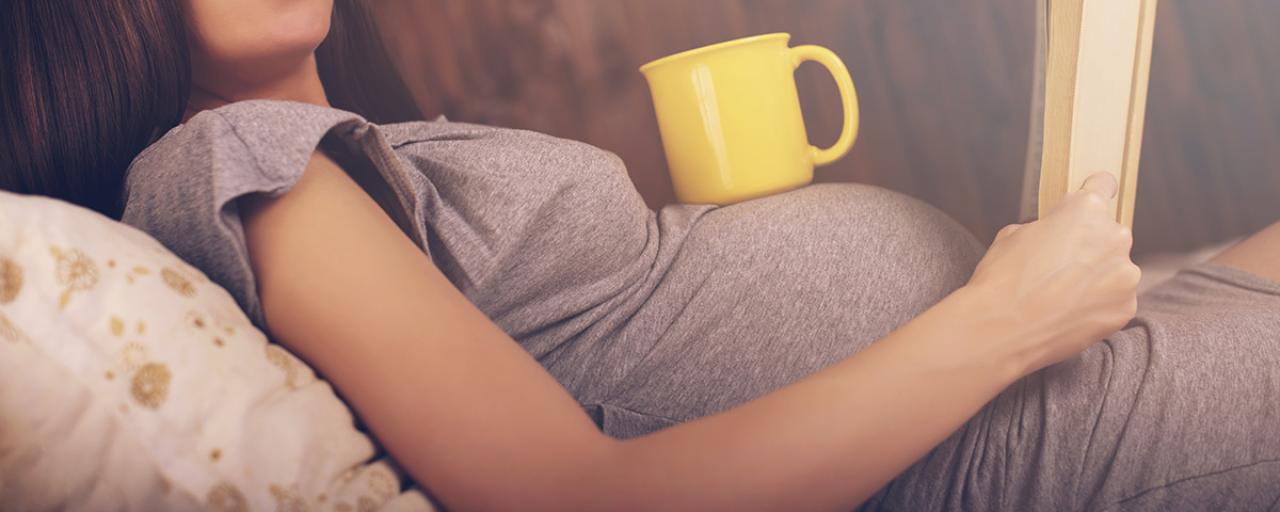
(128, 381)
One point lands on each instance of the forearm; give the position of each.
(826, 442)
(833, 439)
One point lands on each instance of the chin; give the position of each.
(302, 28)
(241, 34)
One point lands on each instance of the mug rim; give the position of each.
(714, 47)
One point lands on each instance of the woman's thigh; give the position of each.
(1180, 411)
(785, 286)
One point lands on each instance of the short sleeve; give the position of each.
(183, 190)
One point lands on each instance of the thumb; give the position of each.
(1103, 184)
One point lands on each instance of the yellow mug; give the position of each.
(731, 122)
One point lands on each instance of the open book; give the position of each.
(1093, 66)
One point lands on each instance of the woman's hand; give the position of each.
(1066, 281)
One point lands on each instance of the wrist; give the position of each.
(983, 330)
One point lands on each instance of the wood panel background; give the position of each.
(944, 86)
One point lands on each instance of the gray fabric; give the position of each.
(1179, 411)
(654, 318)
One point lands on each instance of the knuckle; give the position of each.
(1131, 275)
(1122, 236)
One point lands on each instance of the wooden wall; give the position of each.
(944, 85)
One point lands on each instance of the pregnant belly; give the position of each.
(862, 258)
(765, 292)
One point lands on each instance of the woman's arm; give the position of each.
(477, 421)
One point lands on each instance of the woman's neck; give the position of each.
(301, 83)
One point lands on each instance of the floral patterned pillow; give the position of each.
(128, 381)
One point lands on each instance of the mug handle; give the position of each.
(848, 95)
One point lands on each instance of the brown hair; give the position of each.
(85, 88)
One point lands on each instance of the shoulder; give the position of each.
(218, 155)
(183, 190)
(269, 138)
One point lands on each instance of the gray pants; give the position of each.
(1179, 411)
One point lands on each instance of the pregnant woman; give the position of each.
(521, 333)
